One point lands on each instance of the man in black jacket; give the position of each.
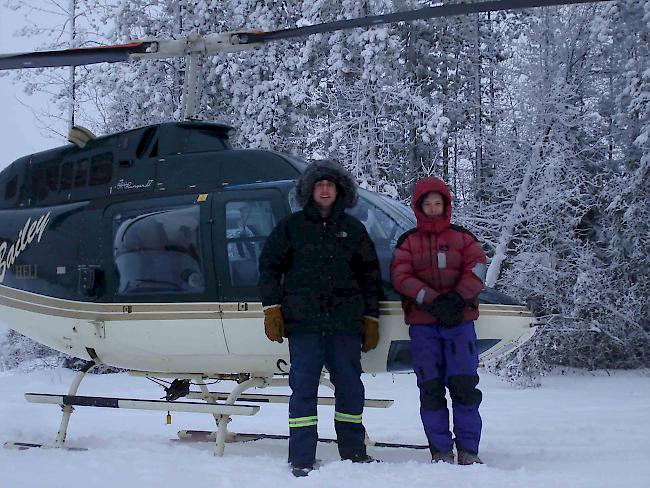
(320, 279)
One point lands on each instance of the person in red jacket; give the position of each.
(439, 269)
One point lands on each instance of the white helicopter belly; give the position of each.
(211, 337)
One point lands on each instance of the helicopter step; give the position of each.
(257, 398)
(210, 436)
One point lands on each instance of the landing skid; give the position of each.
(67, 412)
(209, 436)
(23, 446)
(220, 405)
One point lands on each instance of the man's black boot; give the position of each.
(301, 470)
(361, 458)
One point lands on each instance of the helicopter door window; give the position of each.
(159, 252)
(11, 188)
(101, 169)
(66, 176)
(38, 190)
(52, 177)
(81, 173)
(248, 224)
(44, 179)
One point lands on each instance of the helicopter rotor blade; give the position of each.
(447, 10)
(238, 41)
(74, 57)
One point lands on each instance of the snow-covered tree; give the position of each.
(537, 119)
(575, 236)
(66, 24)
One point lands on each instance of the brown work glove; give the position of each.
(370, 333)
(274, 324)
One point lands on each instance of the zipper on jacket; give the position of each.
(434, 239)
(440, 284)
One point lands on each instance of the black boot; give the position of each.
(301, 470)
(442, 457)
(466, 458)
(361, 458)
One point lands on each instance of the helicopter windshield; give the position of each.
(385, 220)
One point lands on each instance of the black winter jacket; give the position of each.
(323, 271)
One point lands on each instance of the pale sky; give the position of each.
(19, 131)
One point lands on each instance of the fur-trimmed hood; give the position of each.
(327, 169)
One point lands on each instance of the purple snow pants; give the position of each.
(447, 357)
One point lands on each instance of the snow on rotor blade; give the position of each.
(73, 57)
(447, 10)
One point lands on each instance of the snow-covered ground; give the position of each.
(577, 430)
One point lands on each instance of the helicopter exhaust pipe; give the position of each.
(80, 136)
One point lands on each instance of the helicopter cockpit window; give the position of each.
(384, 228)
(159, 252)
(248, 224)
(101, 169)
(385, 220)
(293, 201)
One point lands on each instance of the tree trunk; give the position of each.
(508, 228)
(478, 136)
(71, 77)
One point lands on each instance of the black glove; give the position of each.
(448, 309)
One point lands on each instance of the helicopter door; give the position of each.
(162, 254)
(244, 219)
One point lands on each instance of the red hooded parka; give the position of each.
(436, 258)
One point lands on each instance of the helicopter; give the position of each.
(139, 249)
